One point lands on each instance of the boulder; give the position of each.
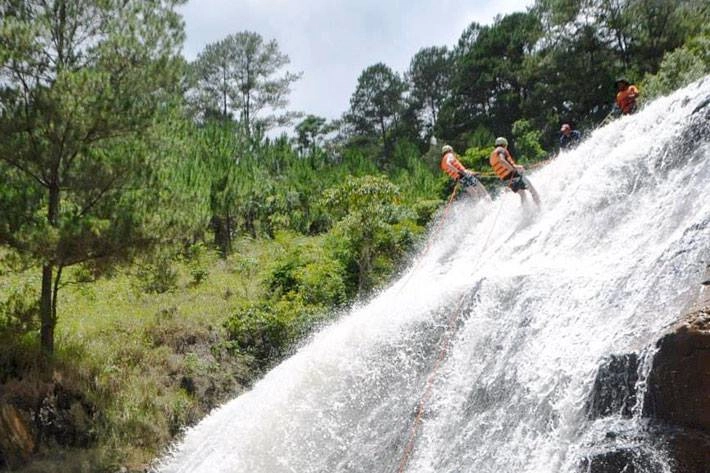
(678, 391)
(614, 390)
(689, 450)
(632, 458)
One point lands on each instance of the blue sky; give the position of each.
(332, 42)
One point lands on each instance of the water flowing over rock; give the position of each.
(487, 349)
(614, 390)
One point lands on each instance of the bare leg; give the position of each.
(482, 192)
(533, 192)
(523, 199)
(477, 191)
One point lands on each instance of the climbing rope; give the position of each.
(441, 220)
(443, 350)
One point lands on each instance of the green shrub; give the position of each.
(258, 329)
(527, 142)
(306, 270)
(679, 68)
(477, 158)
(424, 210)
(19, 311)
(158, 276)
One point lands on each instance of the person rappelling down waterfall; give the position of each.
(511, 173)
(468, 179)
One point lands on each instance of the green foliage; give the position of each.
(241, 75)
(679, 68)
(19, 311)
(490, 79)
(376, 104)
(306, 271)
(309, 134)
(258, 329)
(477, 158)
(371, 232)
(429, 75)
(527, 142)
(75, 132)
(157, 275)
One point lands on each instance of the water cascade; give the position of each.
(541, 298)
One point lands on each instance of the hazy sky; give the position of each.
(332, 42)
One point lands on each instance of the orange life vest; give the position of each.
(626, 99)
(500, 170)
(451, 166)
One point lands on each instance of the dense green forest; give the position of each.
(160, 246)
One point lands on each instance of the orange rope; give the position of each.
(445, 340)
(427, 390)
(429, 242)
(441, 220)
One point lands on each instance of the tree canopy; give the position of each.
(81, 85)
(241, 78)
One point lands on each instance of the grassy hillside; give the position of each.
(134, 366)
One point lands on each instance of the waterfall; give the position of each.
(530, 303)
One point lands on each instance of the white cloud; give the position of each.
(333, 42)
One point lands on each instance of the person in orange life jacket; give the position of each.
(569, 137)
(512, 174)
(626, 94)
(453, 167)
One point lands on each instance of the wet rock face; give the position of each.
(679, 383)
(614, 391)
(621, 460)
(690, 451)
(678, 393)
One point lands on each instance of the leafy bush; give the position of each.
(527, 142)
(259, 329)
(477, 158)
(158, 276)
(368, 237)
(679, 68)
(19, 311)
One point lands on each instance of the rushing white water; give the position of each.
(614, 255)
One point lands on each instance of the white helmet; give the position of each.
(447, 149)
(500, 141)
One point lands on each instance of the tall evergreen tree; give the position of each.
(242, 75)
(82, 83)
(428, 76)
(377, 104)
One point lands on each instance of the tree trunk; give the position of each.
(48, 296)
(222, 234)
(48, 321)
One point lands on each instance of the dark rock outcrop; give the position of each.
(614, 390)
(618, 460)
(678, 393)
(679, 383)
(689, 450)
(676, 403)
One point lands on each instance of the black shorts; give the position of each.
(467, 180)
(517, 183)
